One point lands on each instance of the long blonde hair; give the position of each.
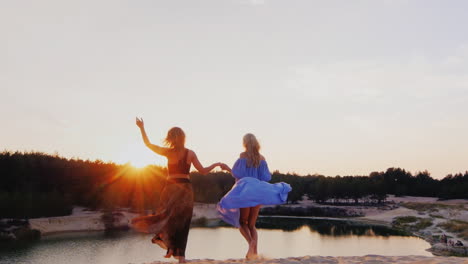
(252, 150)
(175, 138)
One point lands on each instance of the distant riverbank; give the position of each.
(425, 217)
(82, 219)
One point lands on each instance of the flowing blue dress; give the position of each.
(251, 189)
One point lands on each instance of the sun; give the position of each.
(139, 164)
(138, 156)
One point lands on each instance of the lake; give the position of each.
(279, 237)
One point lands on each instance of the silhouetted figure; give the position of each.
(171, 222)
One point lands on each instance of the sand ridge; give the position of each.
(368, 259)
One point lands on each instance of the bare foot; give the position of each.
(158, 241)
(169, 253)
(251, 257)
(251, 254)
(182, 260)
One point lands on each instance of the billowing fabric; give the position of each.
(172, 222)
(241, 170)
(251, 189)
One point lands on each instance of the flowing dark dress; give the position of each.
(171, 223)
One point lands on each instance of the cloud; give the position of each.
(417, 94)
(417, 79)
(257, 2)
(254, 2)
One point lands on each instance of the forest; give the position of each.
(36, 184)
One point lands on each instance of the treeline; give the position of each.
(375, 187)
(39, 185)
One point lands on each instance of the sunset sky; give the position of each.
(328, 87)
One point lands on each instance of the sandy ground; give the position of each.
(369, 259)
(437, 215)
(80, 220)
(83, 220)
(445, 213)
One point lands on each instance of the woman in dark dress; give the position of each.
(171, 222)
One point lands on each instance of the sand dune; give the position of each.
(369, 259)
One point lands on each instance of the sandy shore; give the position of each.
(83, 220)
(369, 259)
(80, 220)
(436, 213)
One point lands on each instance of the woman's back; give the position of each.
(242, 169)
(178, 162)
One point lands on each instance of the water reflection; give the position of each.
(327, 227)
(279, 238)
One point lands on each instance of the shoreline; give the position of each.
(83, 220)
(426, 216)
(352, 219)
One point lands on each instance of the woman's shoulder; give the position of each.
(191, 153)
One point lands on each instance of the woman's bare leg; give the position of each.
(244, 228)
(254, 211)
(244, 223)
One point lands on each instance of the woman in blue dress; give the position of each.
(241, 205)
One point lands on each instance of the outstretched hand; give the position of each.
(224, 167)
(139, 122)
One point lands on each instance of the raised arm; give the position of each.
(157, 149)
(203, 170)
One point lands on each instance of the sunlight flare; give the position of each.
(138, 156)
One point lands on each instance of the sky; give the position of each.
(328, 87)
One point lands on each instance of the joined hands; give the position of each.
(223, 166)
